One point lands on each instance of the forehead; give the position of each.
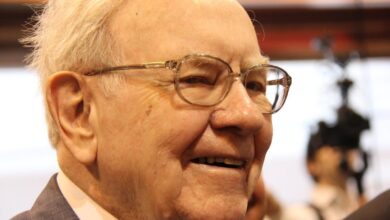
(148, 30)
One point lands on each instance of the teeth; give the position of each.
(234, 162)
(210, 160)
(202, 160)
(219, 161)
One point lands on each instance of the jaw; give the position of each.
(210, 192)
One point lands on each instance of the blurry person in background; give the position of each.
(332, 164)
(336, 162)
(157, 109)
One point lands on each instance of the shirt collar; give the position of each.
(80, 202)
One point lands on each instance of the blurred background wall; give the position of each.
(304, 37)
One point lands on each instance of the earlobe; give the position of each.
(69, 102)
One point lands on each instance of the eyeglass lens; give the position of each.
(205, 81)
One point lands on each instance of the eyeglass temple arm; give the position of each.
(152, 65)
(280, 81)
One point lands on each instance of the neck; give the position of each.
(335, 182)
(88, 179)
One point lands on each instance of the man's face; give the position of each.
(327, 165)
(327, 160)
(149, 139)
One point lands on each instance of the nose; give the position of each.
(238, 112)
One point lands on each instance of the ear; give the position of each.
(69, 102)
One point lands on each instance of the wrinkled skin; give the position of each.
(146, 136)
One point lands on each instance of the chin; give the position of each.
(233, 209)
(227, 213)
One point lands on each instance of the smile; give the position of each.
(220, 162)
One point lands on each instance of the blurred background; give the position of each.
(317, 42)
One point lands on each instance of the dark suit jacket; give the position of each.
(50, 204)
(376, 209)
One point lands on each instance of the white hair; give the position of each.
(74, 36)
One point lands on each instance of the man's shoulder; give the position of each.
(50, 204)
(22, 216)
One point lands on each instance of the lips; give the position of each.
(221, 154)
(224, 162)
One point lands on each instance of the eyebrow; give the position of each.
(204, 63)
(247, 65)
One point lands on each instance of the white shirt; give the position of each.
(333, 202)
(84, 207)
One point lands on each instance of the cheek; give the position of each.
(263, 139)
(146, 145)
(173, 132)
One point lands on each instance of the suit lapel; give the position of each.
(51, 204)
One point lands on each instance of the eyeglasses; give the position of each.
(204, 80)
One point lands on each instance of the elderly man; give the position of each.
(158, 109)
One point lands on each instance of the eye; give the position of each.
(196, 80)
(254, 86)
